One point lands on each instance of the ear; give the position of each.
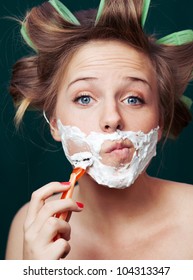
(54, 129)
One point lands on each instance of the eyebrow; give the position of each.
(144, 81)
(81, 79)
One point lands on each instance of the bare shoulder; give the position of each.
(20, 216)
(177, 210)
(174, 187)
(182, 191)
(180, 197)
(15, 237)
(22, 212)
(184, 194)
(177, 197)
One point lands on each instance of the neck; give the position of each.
(107, 203)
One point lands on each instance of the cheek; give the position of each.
(85, 121)
(146, 121)
(155, 115)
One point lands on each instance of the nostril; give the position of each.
(107, 127)
(112, 128)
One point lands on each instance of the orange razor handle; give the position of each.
(75, 175)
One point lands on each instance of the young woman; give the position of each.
(110, 92)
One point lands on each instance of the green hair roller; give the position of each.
(177, 38)
(146, 4)
(61, 9)
(26, 37)
(100, 10)
(64, 12)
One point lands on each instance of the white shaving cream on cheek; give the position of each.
(87, 154)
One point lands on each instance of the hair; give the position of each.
(36, 79)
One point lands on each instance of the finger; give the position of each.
(67, 215)
(59, 249)
(51, 228)
(38, 199)
(51, 208)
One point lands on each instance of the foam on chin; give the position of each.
(89, 158)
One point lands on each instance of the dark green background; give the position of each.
(29, 158)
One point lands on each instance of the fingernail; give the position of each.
(80, 205)
(65, 183)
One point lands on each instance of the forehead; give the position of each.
(96, 57)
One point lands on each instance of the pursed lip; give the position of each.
(118, 146)
(117, 152)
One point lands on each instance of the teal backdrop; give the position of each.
(29, 158)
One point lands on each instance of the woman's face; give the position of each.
(108, 86)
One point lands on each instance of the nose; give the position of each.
(111, 119)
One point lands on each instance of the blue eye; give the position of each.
(133, 100)
(83, 100)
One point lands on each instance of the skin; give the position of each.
(150, 219)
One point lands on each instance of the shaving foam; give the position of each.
(88, 148)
